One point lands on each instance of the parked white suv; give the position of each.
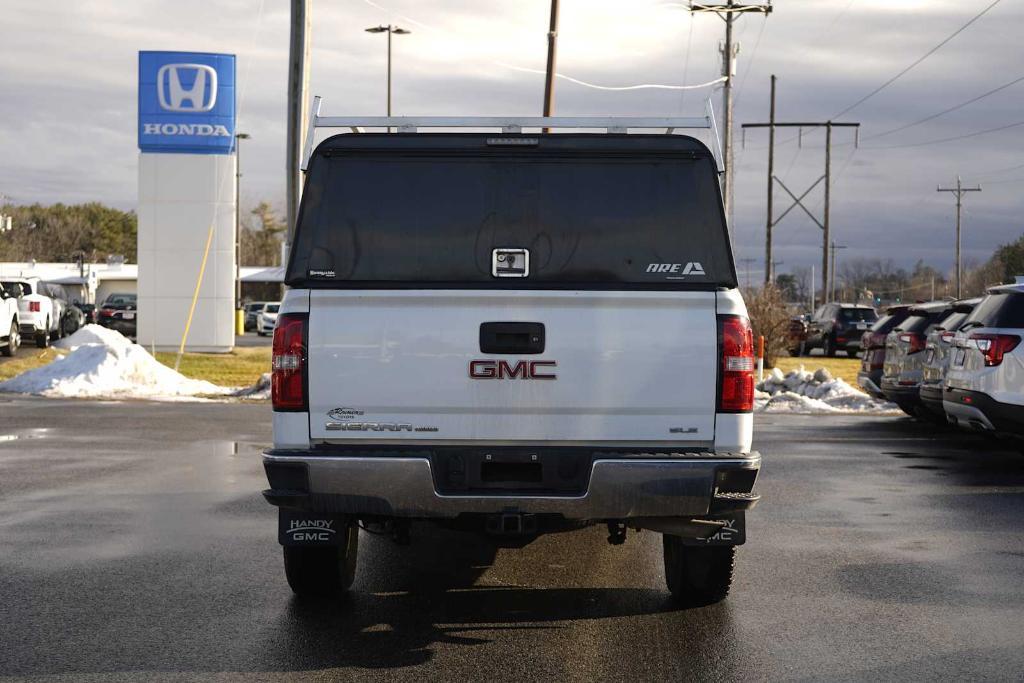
(10, 331)
(984, 386)
(39, 316)
(266, 318)
(512, 335)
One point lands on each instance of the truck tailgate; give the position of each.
(628, 366)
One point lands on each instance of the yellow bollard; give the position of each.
(239, 321)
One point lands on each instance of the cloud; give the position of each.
(68, 70)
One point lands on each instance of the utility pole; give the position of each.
(833, 248)
(824, 223)
(746, 267)
(298, 85)
(771, 172)
(812, 289)
(549, 77)
(828, 196)
(959, 191)
(774, 269)
(727, 12)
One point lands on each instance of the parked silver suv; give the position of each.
(904, 356)
(937, 354)
(985, 381)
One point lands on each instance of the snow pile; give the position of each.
(104, 364)
(92, 334)
(801, 391)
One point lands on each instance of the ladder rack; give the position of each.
(507, 124)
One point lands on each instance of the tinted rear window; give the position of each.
(864, 315)
(919, 321)
(953, 321)
(889, 321)
(17, 289)
(1002, 309)
(646, 219)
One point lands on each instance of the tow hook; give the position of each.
(616, 533)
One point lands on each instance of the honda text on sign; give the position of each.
(186, 102)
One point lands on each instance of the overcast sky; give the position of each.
(68, 74)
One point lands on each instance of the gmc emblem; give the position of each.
(501, 369)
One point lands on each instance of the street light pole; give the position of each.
(238, 226)
(389, 29)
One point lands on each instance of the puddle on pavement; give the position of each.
(904, 455)
(36, 433)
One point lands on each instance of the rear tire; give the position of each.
(697, 575)
(829, 347)
(13, 341)
(43, 338)
(322, 571)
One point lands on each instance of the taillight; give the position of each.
(33, 306)
(288, 364)
(994, 346)
(915, 340)
(736, 374)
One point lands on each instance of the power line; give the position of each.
(917, 61)
(950, 139)
(750, 62)
(835, 20)
(513, 67)
(1004, 182)
(641, 86)
(686, 64)
(999, 171)
(1004, 86)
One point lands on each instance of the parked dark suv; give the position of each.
(872, 344)
(838, 327)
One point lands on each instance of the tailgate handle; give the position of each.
(512, 338)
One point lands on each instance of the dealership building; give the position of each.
(94, 282)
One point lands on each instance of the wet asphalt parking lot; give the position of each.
(134, 545)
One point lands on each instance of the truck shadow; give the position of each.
(411, 600)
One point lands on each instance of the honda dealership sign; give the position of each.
(186, 207)
(186, 102)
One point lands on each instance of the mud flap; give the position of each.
(310, 529)
(732, 532)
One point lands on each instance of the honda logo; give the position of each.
(174, 96)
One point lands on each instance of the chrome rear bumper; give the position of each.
(619, 488)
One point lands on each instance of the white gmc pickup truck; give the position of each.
(512, 334)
